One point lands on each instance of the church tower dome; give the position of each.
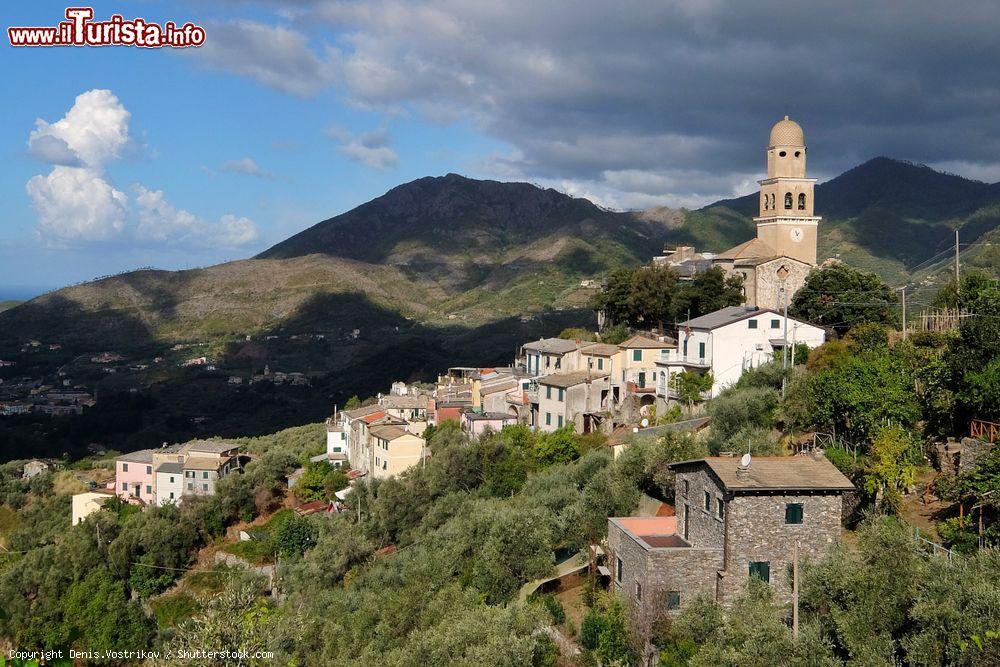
(787, 132)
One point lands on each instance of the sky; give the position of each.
(116, 158)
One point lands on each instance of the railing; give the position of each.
(984, 430)
(687, 360)
(934, 548)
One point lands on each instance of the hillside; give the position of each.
(885, 215)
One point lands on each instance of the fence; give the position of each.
(984, 430)
(942, 319)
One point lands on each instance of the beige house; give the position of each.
(88, 502)
(394, 449)
(580, 398)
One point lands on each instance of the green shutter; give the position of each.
(793, 513)
(761, 570)
(636, 355)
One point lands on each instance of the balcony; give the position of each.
(675, 358)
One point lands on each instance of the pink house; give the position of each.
(477, 423)
(134, 475)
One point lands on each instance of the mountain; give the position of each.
(885, 215)
(437, 272)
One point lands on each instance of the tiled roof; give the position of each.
(203, 463)
(571, 379)
(388, 432)
(724, 316)
(642, 342)
(774, 473)
(373, 417)
(600, 350)
(551, 345)
(752, 248)
(210, 446)
(170, 467)
(362, 411)
(403, 402)
(141, 456)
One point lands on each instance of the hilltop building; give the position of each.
(784, 251)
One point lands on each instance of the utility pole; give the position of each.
(795, 591)
(957, 273)
(904, 312)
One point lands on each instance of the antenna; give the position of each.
(645, 423)
(745, 461)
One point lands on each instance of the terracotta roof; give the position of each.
(373, 417)
(572, 379)
(752, 248)
(642, 342)
(666, 510)
(362, 411)
(774, 473)
(311, 508)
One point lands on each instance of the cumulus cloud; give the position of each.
(276, 56)
(246, 166)
(661, 87)
(77, 204)
(371, 149)
(92, 133)
(161, 221)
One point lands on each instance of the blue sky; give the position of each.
(293, 112)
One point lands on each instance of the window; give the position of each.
(761, 570)
(775, 324)
(337, 449)
(171, 495)
(708, 501)
(751, 324)
(685, 347)
(124, 467)
(548, 392)
(642, 380)
(149, 470)
(560, 421)
(701, 350)
(600, 364)
(636, 355)
(673, 600)
(788, 200)
(720, 508)
(548, 419)
(561, 394)
(782, 154)
(124, 486)
(802, 202)
(559, 362)
(638, 591)
(190, 486)
(149, 488)
(772, 201)
(204, 487)
(204, 475)
(686, 485)
(793, 513)
(171, 479)
(798, 153)
(619, 570)
(766, 202)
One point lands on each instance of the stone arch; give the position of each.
(788, 200)
(802, 201)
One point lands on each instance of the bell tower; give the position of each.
(786, 222)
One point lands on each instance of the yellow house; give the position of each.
(394, 449)
(638, 361)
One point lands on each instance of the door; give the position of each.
(642, 380)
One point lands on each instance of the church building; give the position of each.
(785, 248)
(784, 251)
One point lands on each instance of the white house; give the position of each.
(550, 355)
(169, 483)
(728, 342)
(336, 442)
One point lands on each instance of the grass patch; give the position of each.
(174, 608)
(209, 582)
(260, 551)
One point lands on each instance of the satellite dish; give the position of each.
(645, 423)
(745, 461)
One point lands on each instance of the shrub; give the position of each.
(555, 609)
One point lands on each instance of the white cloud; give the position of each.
(246, 166)
(77, 204)
(162, 222)
(369, 148)
(278, 57)
(92, 133)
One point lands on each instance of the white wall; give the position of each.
(164, 487)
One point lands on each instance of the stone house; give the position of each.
(732, 522)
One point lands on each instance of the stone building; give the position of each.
(774, 265)
(732, 522)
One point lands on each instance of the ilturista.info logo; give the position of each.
(80, 29)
